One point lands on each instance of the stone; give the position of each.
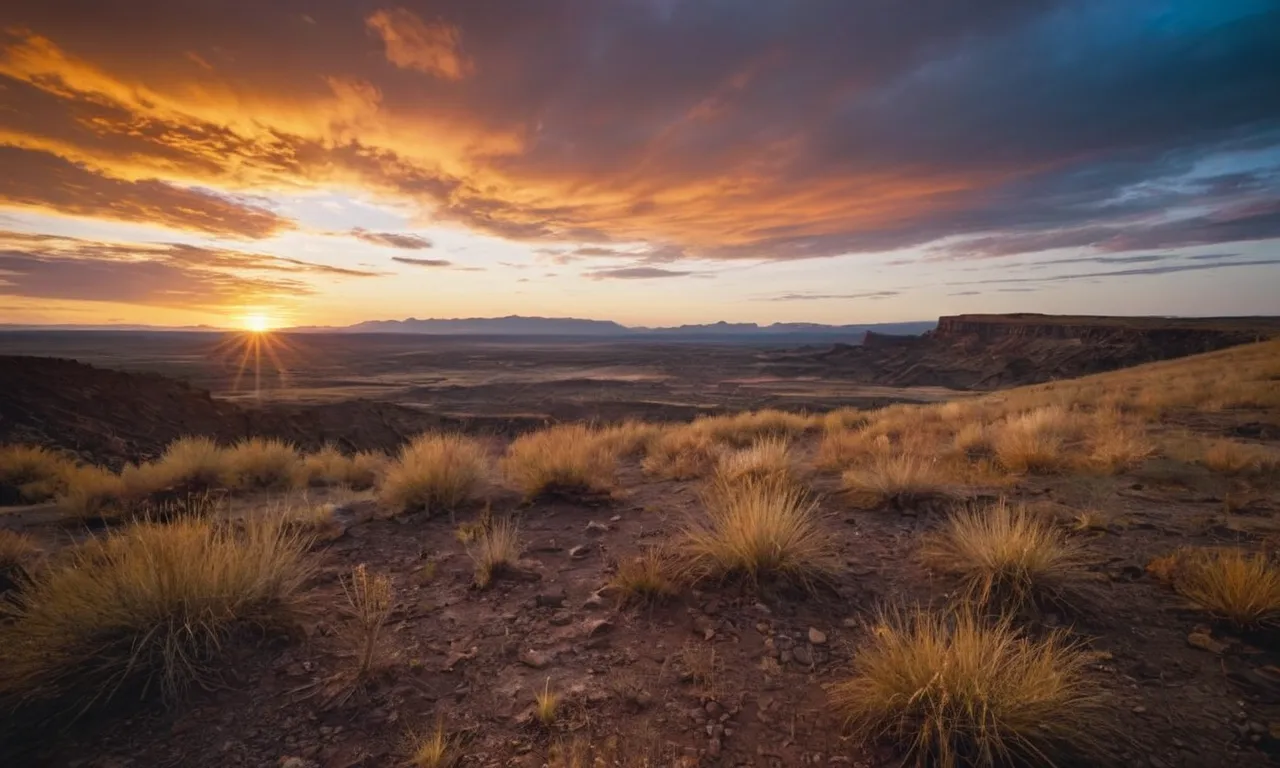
(593, 602)
(579, 552)
(713, 748)
(1205, 642)
(550, 598)
(713, 708)
(803, 654)
(816, 636)
(534, 659)
(560, 619)
(597, 528)
(597, 627)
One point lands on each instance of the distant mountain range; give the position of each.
(568, 326)
(516, 325)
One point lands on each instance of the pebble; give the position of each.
(550, 599)
(534, 659)
(816, 636)
(803, 655)
(597, 627)
(595, 527)
(578, 552)
(713, 748)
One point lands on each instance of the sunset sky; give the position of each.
(654, 162)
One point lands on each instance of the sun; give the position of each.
(256, 323)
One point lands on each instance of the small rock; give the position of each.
(803, 654)
(550, 598)
(1138, 710)
(561, 619)
(713, 708)
(615, 518)
(593, 602)
(534, 659)
(597, 627)
(597, 528)
(1204, 642)
(579, 552)
(817, 637)
(713, 748)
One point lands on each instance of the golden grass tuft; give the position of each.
(630, 438)
(1035, 441)
(16, 551)
(330, 466)
(899, 479)
(768, 458)
(681, 453)
(1236, 458)
(569, 459)
(435, 472)
(92, 492)
(33, 473)
(433, 749)
(260, 462)
(546, 705)
(191, 462)
(973, 439)
(742, 429)
(842, 419)
(1116, 447)
(955, 692)
(759, 530)
(1004, 556)
(495, 550)
(152, 606)
(370, 599)
(1231, 584)
(645, 578)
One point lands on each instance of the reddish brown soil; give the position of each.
(469, 655)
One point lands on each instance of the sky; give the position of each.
(653, 162)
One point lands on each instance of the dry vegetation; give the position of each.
(435, 473)
(151, 607)
(955, 691)
(155, 605)
(571, 460)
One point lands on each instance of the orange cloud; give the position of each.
(412, 43)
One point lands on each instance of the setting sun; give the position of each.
(256, 323)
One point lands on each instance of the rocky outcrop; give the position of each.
(1189, 335)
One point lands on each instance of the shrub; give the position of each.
(768, 458)
(842, 419)
(31, 473)
(973, 438)
(16, 552)
(92, 492)
(644, 578)
(956, 692)
(370, 599)
(681, 453)
(1034, 442)
(899, 479)
(153, 605)
(546, 705)
(568, 459)
(196, 463)
(259, 462)
(629, 438)
(741, 429)
(495, 550)
(434, 749)
(1004, 556)
(330, 466)
(1116, 447)
(1231, 584)
(841, 448)
(759, 529)
(1237, 458)
(434, 472)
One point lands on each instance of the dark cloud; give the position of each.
(1162, 270)
(171, 275)
(660, 131)
(423, 262)
(636, 273)
(49, 182)
(966, 293)
(865, 295)
(393, 239)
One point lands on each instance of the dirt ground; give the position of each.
(721, 675)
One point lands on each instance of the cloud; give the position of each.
(966, 293)
(865, 295)
(392, 239)
(411, 43)
(636, 273)
(423, 262)
(763, 131)
(1161, 270)
(34, 179)
(166, 274)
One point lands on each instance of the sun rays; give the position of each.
(250, 348)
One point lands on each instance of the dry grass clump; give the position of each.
(16, 551)
(630, 438)
(645, 578)
(434, 749)
(569, 459)
(92, 492)
(1231, 584)
(260, 462)
(741, 429)
(973, 439)
(681, 453)
(1236, 458)
(955, 692)
(32, 473)
(546, 705)
(898, 479)
(1005, 556)
(330, 466)
(1035, 441)
(1116, 447)
(841, 419)
(190, 462)
(842, 448)
(759, 530)
(495, 550)
(152, 606)
(370, 599)
(768, 458)
(434, 472)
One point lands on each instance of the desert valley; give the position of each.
(1019, 539)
